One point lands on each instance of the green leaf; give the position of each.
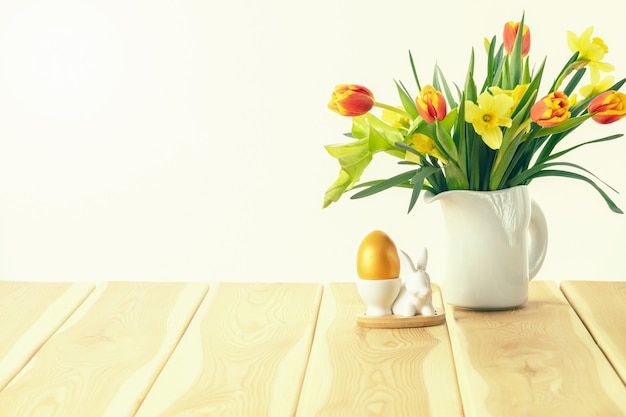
(567, 174)
(567, 125)
(386, 184)
(449, 121)
(511, 139)
(417, 81)
(353, 157)
(342, 149)
(503, 159)
(618, 84)
(470, 84)
(417, 189)
(405, 184)
(526, 176)
(604, 139)
(378, 139)
(556, 134)
(423, 173)
(446, 142)
(574, 81)
(459, 137)
(526, 76)
(446, 88)
(455, 178)
(506, 75)
(498, 69)
(412, 150)
(360, 127)
(407, 102)
(531, 90)
(336, 190)
(491, 64)
(429, 129)
(516, 61)
(567, 69)
(418, 183)
(385, 132)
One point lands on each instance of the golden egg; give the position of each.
(377, 257)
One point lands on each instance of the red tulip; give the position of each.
(351, 100)
(608, 107)
(510, 33)
(551, 110)
(431, 105)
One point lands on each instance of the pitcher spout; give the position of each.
(430, 197)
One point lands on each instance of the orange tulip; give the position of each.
(551, 110)
(351, 100)
(608, 107)
(431, 105)
(510, 33)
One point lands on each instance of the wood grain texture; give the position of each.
(244, 354)
(602, 307)
(30, 312)
(536, 361)
(105, 357)
(400, 322)
(356, 371)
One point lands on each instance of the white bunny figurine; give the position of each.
(416, 293)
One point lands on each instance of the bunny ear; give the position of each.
(422, 259)
(408, 260)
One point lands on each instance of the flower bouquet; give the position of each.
(494, 136)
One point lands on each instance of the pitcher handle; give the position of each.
(538, 242)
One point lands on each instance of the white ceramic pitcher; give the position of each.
(497, 242)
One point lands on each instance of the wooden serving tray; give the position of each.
(400, 322)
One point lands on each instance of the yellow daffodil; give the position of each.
(590, 51)
(396, 119)
(487, 117)
(597, 86)
(516, 94)
(424, 145)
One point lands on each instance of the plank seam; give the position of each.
(308, 356)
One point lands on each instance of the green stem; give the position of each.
(394, 109)
(576, 65)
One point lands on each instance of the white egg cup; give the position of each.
(378, 294)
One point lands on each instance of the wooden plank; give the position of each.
(400, 322)
(30, 312)
(602, 307)
(357, 371)
(537, 361)
(106, 356)
(244, 353)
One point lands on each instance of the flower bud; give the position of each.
(551, 110)
(431, 105)
(510, 33)
(608, 107)
(351, 100)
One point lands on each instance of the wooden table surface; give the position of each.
(122, 349)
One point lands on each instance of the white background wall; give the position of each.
(183, 140)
